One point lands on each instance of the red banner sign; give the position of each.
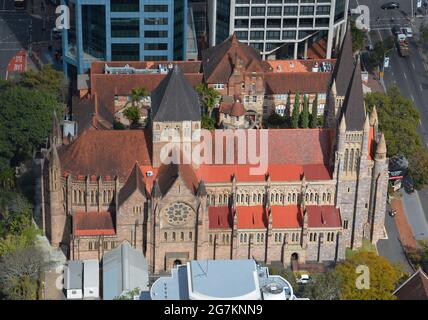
(18, 63)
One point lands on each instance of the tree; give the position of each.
(313, 123)
(137, 94)
(25, 120)
(399, 121)
(423, 34)
(381, 280)
(133, 115)
(19, 272)
(129, 295)
(304, 116)
(208, 97)
(357, 37)
(323, 286)
(275, 120)
(208, 122)
(296, 111)
(47, 80)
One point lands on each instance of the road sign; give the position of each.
(18, 63)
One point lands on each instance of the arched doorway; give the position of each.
(177, 263)
(294, 261)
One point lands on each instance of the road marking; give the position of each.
(413, 65)
(413, 98)
(404, 74)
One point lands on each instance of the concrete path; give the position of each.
(415, 215)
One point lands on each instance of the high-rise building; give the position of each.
(123, 30)
(281, 28)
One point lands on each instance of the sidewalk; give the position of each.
(404, 228)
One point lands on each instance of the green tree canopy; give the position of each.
(304, 115)
(314, 114)
(382, 277)
(137, 94)
(47, 80)
(357, 37)
(399, 121)
(25, 120)
(323, 286)
(296, 110)
(133, 115)
(208, 122)
(208, 97)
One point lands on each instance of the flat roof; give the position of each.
(73, 276)
(223, 279)
(91, 273)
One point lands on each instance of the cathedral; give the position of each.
(323, 190)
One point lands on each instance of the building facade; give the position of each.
(130, 30)
(281, 28)
(323, 190)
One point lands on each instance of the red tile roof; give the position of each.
(286, 217)
(220, 217)
(218, 62)
(323, 217)
(93, 224)
(252, 217)
(106, 152)
(235, 109)
(307, 82)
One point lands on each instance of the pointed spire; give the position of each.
(201, 191)
(156, 191)
(334, 88)
(381, 148)
(344, 65)
(56, 130)
(354, 102)
(367, 123)
(373, 117)
(234, 39)
(342, 126)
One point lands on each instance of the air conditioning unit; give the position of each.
(149, 173)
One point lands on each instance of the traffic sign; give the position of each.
(18, 63)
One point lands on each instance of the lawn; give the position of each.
(366, 247)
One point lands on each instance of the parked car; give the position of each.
(390, 5)
(303, 279)
(408, 184)
(407, 31)
(396, 29)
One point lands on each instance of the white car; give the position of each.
(408, 32)
(304, 279)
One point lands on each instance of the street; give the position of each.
(14, 32)
(410, 75)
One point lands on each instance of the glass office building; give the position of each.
(123, 30)
(280, 28)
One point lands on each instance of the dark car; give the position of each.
(408, 184)
(396, 29)
(390, 6)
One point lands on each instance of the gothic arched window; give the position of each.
(351, 161)
(345, 161)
